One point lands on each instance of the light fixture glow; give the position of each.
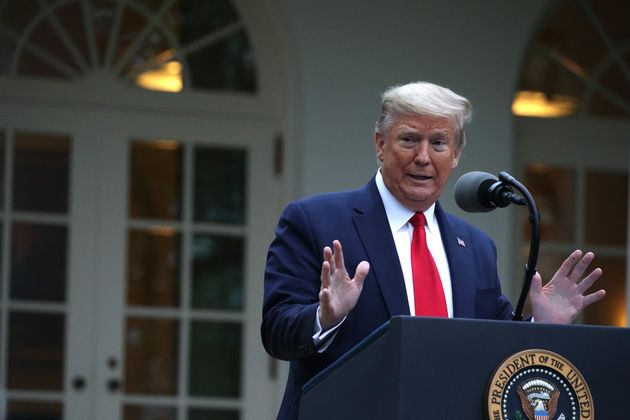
(537, 104)
(166, 78)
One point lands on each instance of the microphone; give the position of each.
(480, 192)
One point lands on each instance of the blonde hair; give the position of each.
(424, 98)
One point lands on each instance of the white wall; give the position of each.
(342, 54)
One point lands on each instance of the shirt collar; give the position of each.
(397, 214)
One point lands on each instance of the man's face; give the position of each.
(418, 154)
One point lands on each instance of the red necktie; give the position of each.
(427, 286)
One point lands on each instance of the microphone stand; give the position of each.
(534, 244)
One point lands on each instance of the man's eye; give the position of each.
(439, 143)
(407, 141)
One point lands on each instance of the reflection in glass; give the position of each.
(31, 410)
(217, 272)
(153, 267)
(156, 179)
(41, 172)
(606, 208)
(220, 182)
(553, 188)
(36, 351)
(612, 309)
(210, 414)
(151, 356)
(38, 262)
(149, 412)
(215, 359)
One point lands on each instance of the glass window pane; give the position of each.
(195, 19)
(612, 309)
(38, 262)
(606, 208)
(36, 351)
(32, 410)
(215, 359)
(156, 178)
(153, 267)
(553, 189)
(41, 173)
(17, 14)
(217, 272)
(220, 182)
(226, 65)
(151, 356)
(210, 414)
(71, 16)
(148, 412)
(2, 175)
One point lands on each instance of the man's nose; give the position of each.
(422, 154)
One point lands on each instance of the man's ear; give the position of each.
(379, 142)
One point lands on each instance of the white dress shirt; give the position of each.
(398, 217)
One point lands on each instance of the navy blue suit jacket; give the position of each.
(357, 218)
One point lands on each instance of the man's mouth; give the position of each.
(421, 177)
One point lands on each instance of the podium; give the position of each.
(431, 368)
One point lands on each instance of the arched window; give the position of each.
(166, 45)
(578, 62)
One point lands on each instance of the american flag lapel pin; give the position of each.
(460, 242)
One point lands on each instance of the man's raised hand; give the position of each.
(339, 293)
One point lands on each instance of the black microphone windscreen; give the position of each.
(471, 191)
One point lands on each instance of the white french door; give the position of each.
(141, 296)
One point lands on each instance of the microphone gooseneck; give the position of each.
(479, 192)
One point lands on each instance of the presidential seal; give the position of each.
(538, 385)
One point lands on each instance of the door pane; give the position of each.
(612, 309)
(35, 352)
(215, 359)
(153, 267)
(606, 208)
(38, 262)
(205, 414)
(163, 292)
(151, 356)
(553, 188)
(147, 412)
(217, 272)
(41, 171)
(219, 188)
(155, 185)
(2, 152)
(30, 410)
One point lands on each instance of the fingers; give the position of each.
(326, 268)
(338, 255)
(536, 285)
(325, 276)
(334, 260)
(589, 280)
(567, 265)
(580, 266)
(361, 272)
(593, 297)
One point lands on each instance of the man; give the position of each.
(314, 311)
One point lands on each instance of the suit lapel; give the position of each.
(460, 261)
(371, 223)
